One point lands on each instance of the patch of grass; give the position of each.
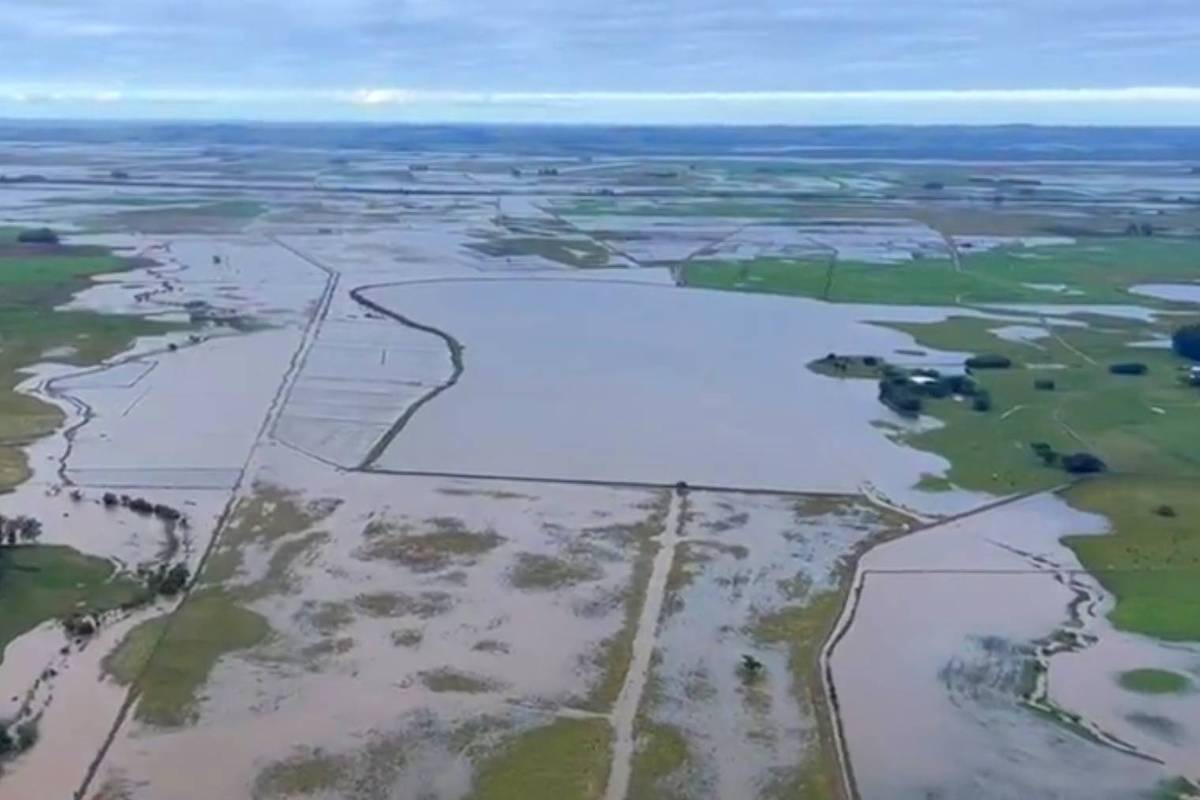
(367, 772)
(126, 662)
(1149, 562)
(449, 542)
(565, 760)
(397, 604)
(409, 637)
(802, 629)
(44, 582)
(803, 277)
(270, 514)
(538, 572)
(326, 617)
(206, 627)
(447, 679)
(309, 771)
(1154, 681)
(661, 752)
(280, 576)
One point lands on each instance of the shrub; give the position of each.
(1165, 511)
(962, 384)
(1129, 368)
(1044, 385)
(1083, 463)
(899, 395)
(1045, 452)
(982, 401)
(174, 580)
(1186, 341)
(870, 361)
(37, 236)
(989, 361)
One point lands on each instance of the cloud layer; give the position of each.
(398, 56)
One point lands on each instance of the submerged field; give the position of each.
(484, 476)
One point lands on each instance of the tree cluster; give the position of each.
(20, 527)
(1080, 463)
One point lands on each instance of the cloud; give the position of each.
(483, 54)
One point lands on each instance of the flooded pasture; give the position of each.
(425, 418)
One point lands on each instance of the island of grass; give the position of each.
(1154, 681)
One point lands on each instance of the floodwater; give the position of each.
(745, 558)
(931, 671)
(1175, 292)
(604, 380)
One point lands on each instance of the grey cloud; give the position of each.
(601, 44)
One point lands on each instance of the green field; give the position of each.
(172, 660)
(1154, 681)
(1142, 426)
(1097, 270)
(43, 582)
(1150, 562)
(33, 282)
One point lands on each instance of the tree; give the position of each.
(989, 361)
(28, 528)
(1186, 341)
(1129, 368)
(1083, 463)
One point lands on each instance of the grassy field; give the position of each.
(1098, 271)
(565, 760)
(207, 626)
(1137, 424)
(1151, 561)
(42, 582)
(1143, 427)
(33, 282)
(1154, 681)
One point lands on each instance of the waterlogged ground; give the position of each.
(426, 430)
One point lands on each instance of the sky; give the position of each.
(631, 61)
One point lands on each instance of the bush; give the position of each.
(982, 401)
(1165, 511)
(1186, 341)
(175, 579)
(899, 395)
(1045, 452)
(962, 384)
(1083, 463)
(37, 236)
(1129, 368)
(1044, 385)
(989, 361)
